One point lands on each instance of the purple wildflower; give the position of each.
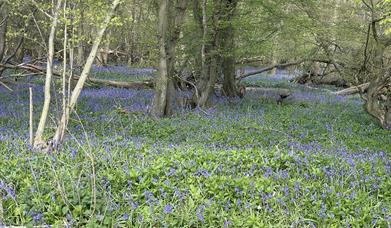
(168, 209)
(199, 212)
(37, 216)
(171, 172)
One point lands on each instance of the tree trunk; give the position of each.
(209, 64)
(204, 27)
(216, 52)
(3, 34)
(39, 141)
(103, 53)
(160, 104)
(198, 59)
(378, 100)
(228, 45)
(171, 16)
(19, 54)
(3, 29)
(80, 47)
(274, 62)
(106, 53)
(229, 83)
(208, 82)
(60, 131)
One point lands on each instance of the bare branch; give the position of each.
(40, 9)
(269, 68)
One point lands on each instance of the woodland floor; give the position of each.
(317, 159)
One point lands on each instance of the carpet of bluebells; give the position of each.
(316, 160)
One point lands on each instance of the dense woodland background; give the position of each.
(234, 113)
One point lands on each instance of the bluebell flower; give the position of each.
(199, 213)
(37, 217)
(168, 209)
(227, 223)
(171, 172)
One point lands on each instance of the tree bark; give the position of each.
(206, 86)
(80, 47)
(198, 63)
(171, 16)
(228, 45)
(274, 62)
(106, 47)
(39, 141)
(3, 34)
(211, 49)
(378, 100)
(204, 27)
(3, 29)
(353, 90)
(103, 53)
(161, 106)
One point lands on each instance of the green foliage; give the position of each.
(314, 160)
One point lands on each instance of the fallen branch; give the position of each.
(353, 90)
(279, 91)
(148, 84)
(320, 79)
(269, 68)
(7, 87)
(283, 65)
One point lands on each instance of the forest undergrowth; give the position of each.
(315, 160)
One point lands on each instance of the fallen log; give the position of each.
(5, 86)
(283, 65)
(147, 84)
(328, 78)
(269, 68)
(278, 93)
(353, 90)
